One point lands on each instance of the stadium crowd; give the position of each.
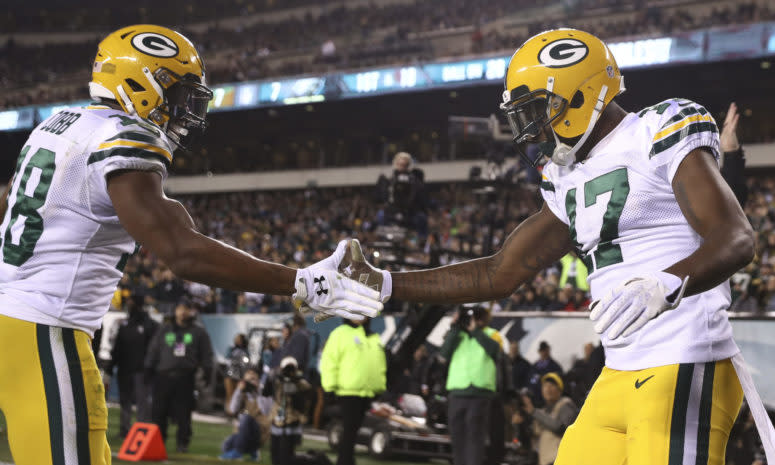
(344, 37)
(303, 226)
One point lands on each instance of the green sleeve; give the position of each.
(451, 341)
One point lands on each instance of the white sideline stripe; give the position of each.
(65, 396)
(693, 415)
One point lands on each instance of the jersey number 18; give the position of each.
(25, 225)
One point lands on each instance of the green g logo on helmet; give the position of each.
(563, 52)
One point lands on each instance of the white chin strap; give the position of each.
(564, 155)
(125, 99)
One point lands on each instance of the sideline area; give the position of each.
(209, 432)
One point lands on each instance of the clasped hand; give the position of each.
(328, 288)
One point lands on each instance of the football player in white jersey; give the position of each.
(86, 192)
(640, 197)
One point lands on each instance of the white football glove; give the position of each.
(321, 288)
(629, 306)
(355, 266)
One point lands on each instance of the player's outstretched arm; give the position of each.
(712, 210)
(164, 227)
(535, 244)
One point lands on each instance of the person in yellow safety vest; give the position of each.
(573, 267)
(473, 353)
(353, 367)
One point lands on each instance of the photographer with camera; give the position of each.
(244, 402)
(471, 381)
(405, 195)
(239, 361)
(292, 396)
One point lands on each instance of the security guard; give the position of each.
(176, 351)
(352, 366)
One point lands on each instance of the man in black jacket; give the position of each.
(128, 354)
(176, 351)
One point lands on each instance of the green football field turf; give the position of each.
(204, 449)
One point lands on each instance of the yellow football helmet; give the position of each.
(557, 85)
(155, 73)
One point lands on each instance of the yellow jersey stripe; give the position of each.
(132, 143)
(681, 124)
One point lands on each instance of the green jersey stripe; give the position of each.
(683, 114)
(53, 400)
(706, 405)
(128, 152)
(676, 137)
(79, 397)
(140, 137)
(683, 386)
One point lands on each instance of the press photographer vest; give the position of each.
(470, 365)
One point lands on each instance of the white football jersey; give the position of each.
(63, 247)
(625, 221)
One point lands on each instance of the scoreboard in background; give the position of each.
(734, 42)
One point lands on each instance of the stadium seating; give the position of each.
(242, 45)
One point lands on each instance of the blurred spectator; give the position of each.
(550, 421)
(353, 367)
(418, 370)
(238, 362)
(279, 351)
(328, 50)
(405, 196)
(167, 292)
(545, 364)
(733, 166)
(237, 50)
(295, 226)
(177, 350)
(520, 368)
(297, 343)
(245, 405)
(583, 374)
(129, 348)
(574, 272)
(744, 441)
(471, 382)
(435, 377)
(271, 351)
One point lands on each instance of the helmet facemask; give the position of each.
(184, 109)
(530, 117)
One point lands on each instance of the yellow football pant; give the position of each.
(669, 415)
(52, 396)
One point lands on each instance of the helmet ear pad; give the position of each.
(573, 123)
